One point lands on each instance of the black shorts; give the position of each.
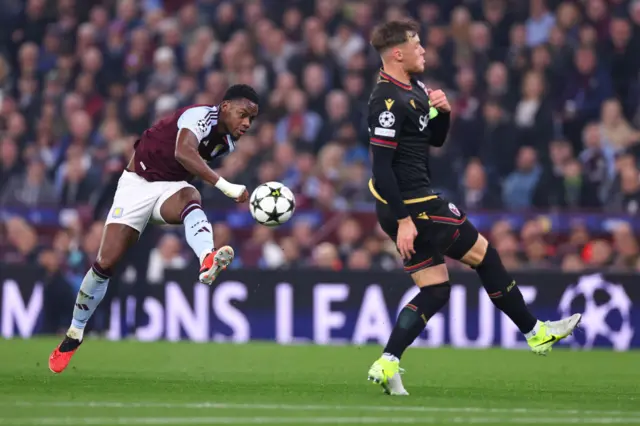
(440, 224)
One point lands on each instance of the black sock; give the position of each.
(503, 291)
(414, 316)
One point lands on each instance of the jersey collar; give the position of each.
(230, 143)
(385, 76)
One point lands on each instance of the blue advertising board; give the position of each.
(336, 308)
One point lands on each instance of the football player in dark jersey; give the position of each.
(405, 120)
(155, 188)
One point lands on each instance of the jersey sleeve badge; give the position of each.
(386, 119)
(389, 103)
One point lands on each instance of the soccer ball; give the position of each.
(272, 204)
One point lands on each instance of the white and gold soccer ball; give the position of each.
(272, 204)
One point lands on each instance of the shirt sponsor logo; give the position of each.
(379, 131)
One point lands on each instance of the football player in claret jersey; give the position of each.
(405, 119)
(155, 188)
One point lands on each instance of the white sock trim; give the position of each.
(203, 255)
(75, 332)
(390, 357)
(535, 330)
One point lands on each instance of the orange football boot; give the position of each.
(214, 263)
(61, 356)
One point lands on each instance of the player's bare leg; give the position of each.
(434, 294)
(506, 296)
(116, 239)
(184, 207)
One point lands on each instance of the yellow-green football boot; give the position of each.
(386, 372)
(551, 332)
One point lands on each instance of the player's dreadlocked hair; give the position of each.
(393, 33)
(241, 91)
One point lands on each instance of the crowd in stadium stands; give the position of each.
(545, 98)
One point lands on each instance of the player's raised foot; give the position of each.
(214, 263)
(386, 373)
(551, 332)
(61, 356)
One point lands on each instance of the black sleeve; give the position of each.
(385, 120)
(439, 127)
(386, 182)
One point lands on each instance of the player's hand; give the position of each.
(439, 100)
(231, 190)
(407, 232)
(234, 191)
(243, 197)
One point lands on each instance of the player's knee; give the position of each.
(107, 259)
(491, 258)
(436, 296)
(431, 276)
(477, 253)
(104, 265)
(190, 195)
(466, 244)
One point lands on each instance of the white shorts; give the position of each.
(138, 201)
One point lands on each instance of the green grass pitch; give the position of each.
(132, 383)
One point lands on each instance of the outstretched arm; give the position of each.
(193, 126)
(187, 154)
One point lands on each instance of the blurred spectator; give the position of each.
(597, 158)
(261, 249)
(598, 254)
(539, 24)
(546, 110)
(23, 242)
(10, 161)
(520, 184)
(584, 92)
(626, 247)
(167, 255)
(380, 258)
(349, 236)
(507, 247)
(31, 189)
(359, 260)
(627, 196)
(578, 239)
(570, 188)
(499, 136)
(299, 124)
(533, 119)
(58, 294)
(537, 253)
(291, 254)
(476, 194)
(615, 129)
(572, 263)
(325, 256)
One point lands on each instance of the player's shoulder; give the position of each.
(198, 113)
(386, 97)
(202, 109)
(384, 89)
(385, 92)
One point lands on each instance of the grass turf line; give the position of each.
(268, 384)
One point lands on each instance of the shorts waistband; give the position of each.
(432, 195)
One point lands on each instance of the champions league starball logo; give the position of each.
(606, 312)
